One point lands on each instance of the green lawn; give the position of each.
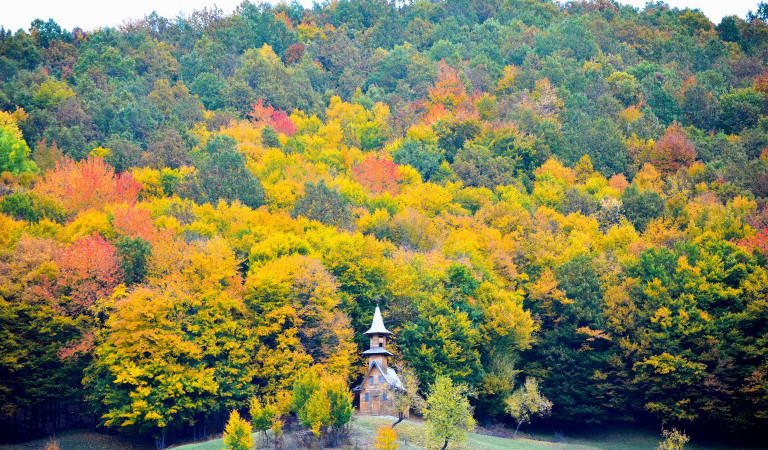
(411, 436)
(215, 444)
(636, 439)
(85, 440)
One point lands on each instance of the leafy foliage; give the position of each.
(386, 438)
(89, 270)
(673, 440)
(276, 119)
(447, 412)
(575, 192)
(31, 207)
(323, 204)
(527, 402)
(88, 184)
(134, 255)
(14, 153)
(223, 176)
(237, 433)
(378, 175)
(322, 402)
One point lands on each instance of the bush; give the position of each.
(386, 438)
(673, 440)
(52, 444)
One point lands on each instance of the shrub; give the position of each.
(673, 440)
(386, 438)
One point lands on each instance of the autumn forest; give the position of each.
(197, 211)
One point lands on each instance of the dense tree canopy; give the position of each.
(200, 211)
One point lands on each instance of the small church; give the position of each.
(380, 381)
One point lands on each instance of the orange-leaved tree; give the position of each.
(379, 175)
(90, 183)
(136, 222)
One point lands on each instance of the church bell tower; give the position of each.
(379, 334)
(380, 382)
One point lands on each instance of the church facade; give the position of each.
(381, 381)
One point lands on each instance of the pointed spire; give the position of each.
(377, 325)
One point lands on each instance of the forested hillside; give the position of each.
(195, 210)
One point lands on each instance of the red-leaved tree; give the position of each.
(294, 53)
(89, 270)
(758, 242)
(275, 118)
(448, 96)
(673, 150)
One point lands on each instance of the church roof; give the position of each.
(393, 379)
(377, 351)
(389, 375)
(377, 325)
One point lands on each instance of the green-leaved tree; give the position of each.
(448, 412)
(527, 402)
(14, 152)
(322, 403)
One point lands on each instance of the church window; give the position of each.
(384, 397)
(370, 381)
(367, 398)
(381, 378)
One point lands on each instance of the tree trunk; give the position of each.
(160, 440)
(518, 427)
(400, 418)
(445, 445)
(56, 417)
